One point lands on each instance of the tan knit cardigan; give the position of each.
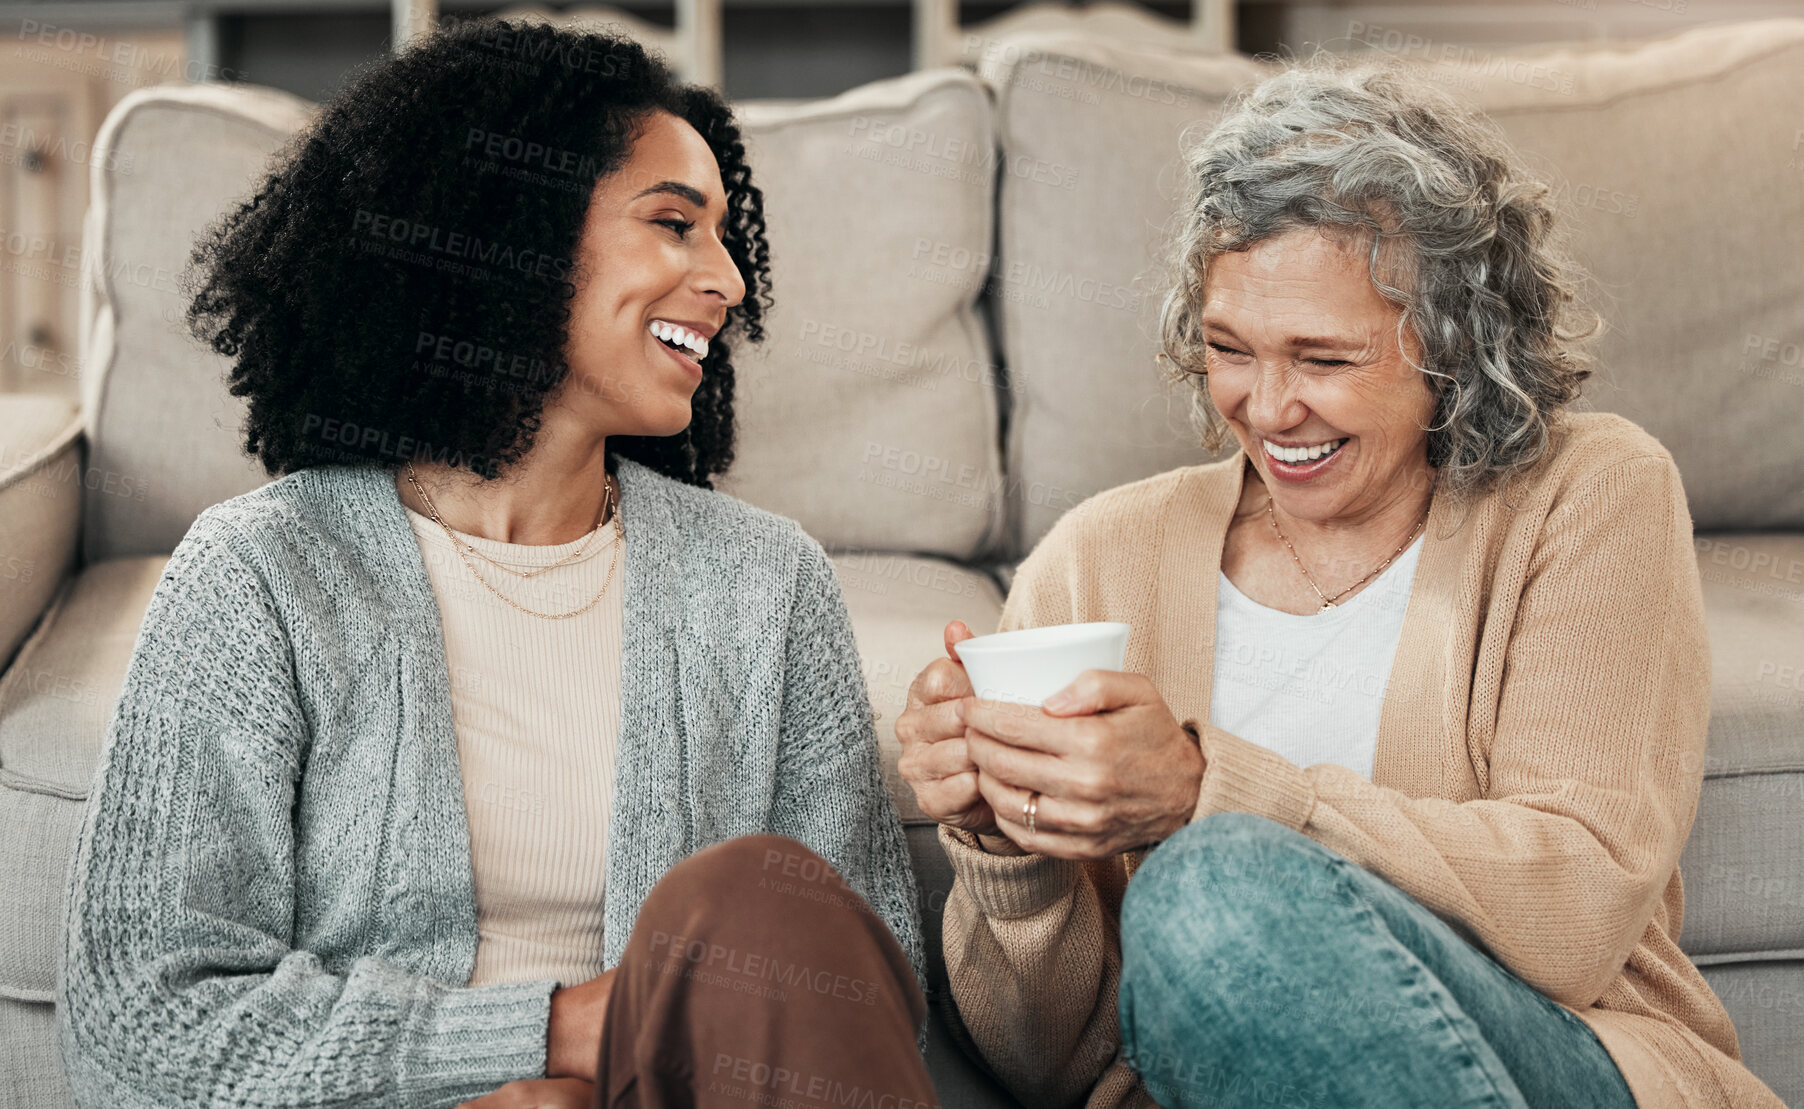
(1539, 757)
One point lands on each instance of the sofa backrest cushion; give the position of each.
(869, 413)
(1090, 140)
(163, 440)
(1678, 169)
(1676, 164)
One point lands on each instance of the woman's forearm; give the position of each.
(1034, 970)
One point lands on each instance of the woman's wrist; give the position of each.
(1191, 775)
(555, 1051)
(572, 1039)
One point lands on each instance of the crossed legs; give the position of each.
(1261, 968)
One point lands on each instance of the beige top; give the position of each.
(535, 704)
(1539, 756)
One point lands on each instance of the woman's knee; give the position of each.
(1227, 855)
(726, 868)
(1214, 892)
(769, 907)
(740, 883)
(1217, 914)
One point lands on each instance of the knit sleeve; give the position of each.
(179, 982)
(831, 794)
(1031, 954)
(1595, 760)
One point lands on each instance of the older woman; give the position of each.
(1413, 712)
(489, 755)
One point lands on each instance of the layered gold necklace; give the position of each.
(610, 497)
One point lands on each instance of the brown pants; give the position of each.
(756, 977)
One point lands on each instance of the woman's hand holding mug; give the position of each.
(934, 760)
(1113, 768)
(577, 1015)
(1057, 726)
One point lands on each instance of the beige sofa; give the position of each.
(966, 274)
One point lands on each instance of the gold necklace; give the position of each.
(1328, 602)
(619, 541)
(608, 494)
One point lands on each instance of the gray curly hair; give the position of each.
(1461, 238)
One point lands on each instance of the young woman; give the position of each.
(488, 755)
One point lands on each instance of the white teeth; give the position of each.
(1296, 455)
(682, 336)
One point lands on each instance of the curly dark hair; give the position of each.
(398, 287)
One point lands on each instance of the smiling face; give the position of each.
(651, 268)
(1303, 353)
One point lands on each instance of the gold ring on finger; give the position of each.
(1031, 808)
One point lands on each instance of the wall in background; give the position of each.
(809, 48)
(1424, 28)
(775, 49)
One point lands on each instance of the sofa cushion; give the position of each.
(32, 1077)
(900, 607)
(1675, 168)
(38, 831)
(1090, 136)
(1672, 157)
(55, 703)
(1744, 863)
(1766, 1002)
(162, 430)
(57, 698)
(869, 413)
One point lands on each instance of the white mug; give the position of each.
(1030, 665)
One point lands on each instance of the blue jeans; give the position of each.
(1261, 968)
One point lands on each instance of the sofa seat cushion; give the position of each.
(32, 1074)
(55, 703)
(1766, 1002)
(1744, 864)
(900, 606)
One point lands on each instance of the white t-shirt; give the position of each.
(1310, 687)
(535, 704)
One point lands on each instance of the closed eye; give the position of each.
(1219, 349)
(682, 227)
(1329, 361)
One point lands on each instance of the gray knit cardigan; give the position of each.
(271, 900)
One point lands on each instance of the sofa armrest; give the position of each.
(41, 446)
